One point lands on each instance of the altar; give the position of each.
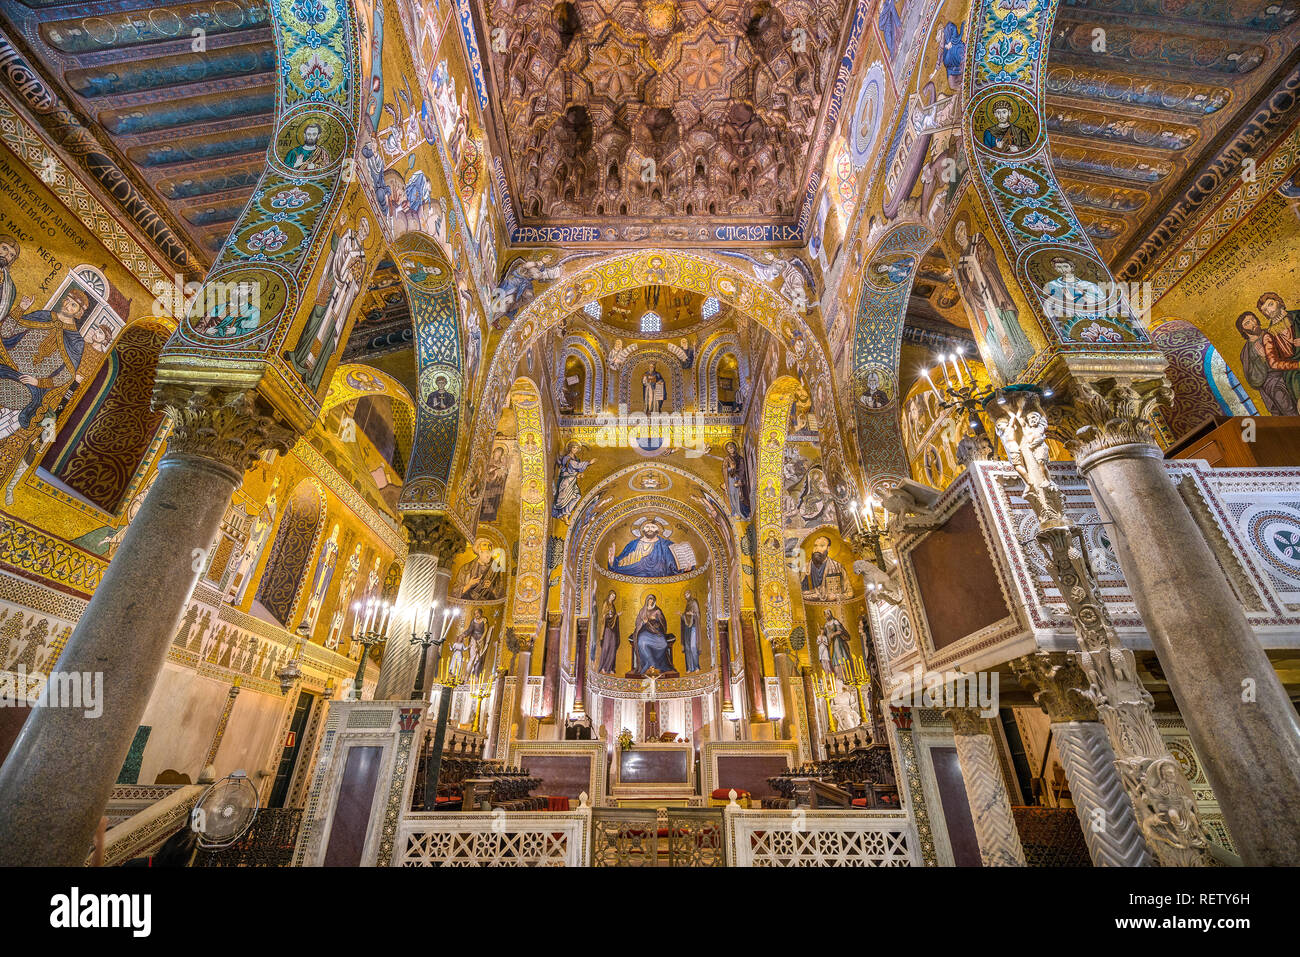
(654, 773)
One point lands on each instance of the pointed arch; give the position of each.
(1004, 126)
(773, 589)
(441, 393)
(587, 350)
(877, 347)
(279, 590)
(706, 367)
(303, 211)
(355, 380)
(689, 271)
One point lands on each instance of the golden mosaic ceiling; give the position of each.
(609, 110)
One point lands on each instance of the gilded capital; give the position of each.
(1114, 412)
(231, 427)
(1058, 684)
(967, 722)
(433, 533)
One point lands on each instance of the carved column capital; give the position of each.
(230, 427)
(433, 533)
(1112, 413)
(1058, 684)
(967, 722)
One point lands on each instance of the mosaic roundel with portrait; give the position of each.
(234, 307)
(440, 389)
(311, 142)
(1076, 292)
(890, 270)
(1006, 124)
(876, 389)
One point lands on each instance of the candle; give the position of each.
(943, 367)
(956, 373)
(962, 353)
(854, 511)
(370, 615)
(432, 606)
(388, 610)
(415, 618)
(933, 388)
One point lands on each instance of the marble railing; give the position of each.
(808, 838)
(143, 832)
(494, 839)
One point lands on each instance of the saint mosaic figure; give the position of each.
(825, 578)
(652, 645)
(995, 312)
(1004, 136)
(691, 633)
(322, 577)
(736, 469)
(309, 155)
(653, 391)
(258, 536)
(482, 577)
(648, 555)
(567, 469)
(607, 646)
(340, 282)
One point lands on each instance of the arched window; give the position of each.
(592, 309)
(100, 447)
(650, 322)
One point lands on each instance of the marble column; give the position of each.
(986, 791)
(1162, 799)
(580, 666)
(724, 665)
(58, 777)
(1242, 723)
(432, 541)
(1105, 814)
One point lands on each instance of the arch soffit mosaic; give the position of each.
(687, 271)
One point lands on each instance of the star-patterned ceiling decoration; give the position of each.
(624, 120)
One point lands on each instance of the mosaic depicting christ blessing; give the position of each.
(650, 554)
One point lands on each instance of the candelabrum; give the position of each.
(857, 676)
(430, 638)
(826, 687)
(964, 393)
(479, 691)
(373, 632)
(870, 524)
